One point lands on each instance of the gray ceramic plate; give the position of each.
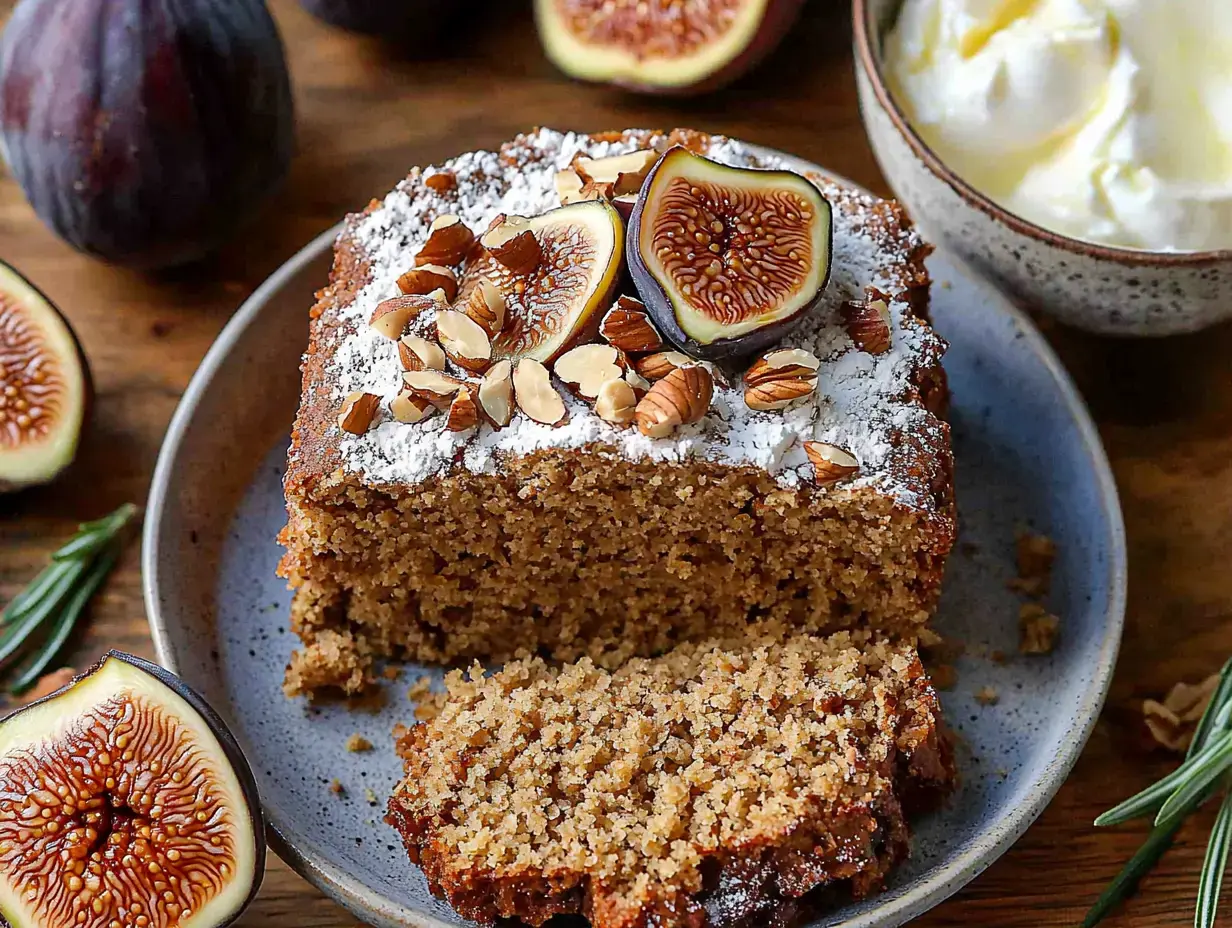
(1027, 454)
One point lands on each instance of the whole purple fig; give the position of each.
(144, 131)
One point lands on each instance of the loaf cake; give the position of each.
(456, 538)
(725, 784)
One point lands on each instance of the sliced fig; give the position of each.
(556, 303)
(662, 46)
(44, 386)
(126, 801)
(727, 259)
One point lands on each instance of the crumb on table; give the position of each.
(1038, 629)
(1034, 554)
(357, 744)
(987, 696)
(1172, 722)
(336, 787)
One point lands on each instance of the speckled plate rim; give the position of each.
(350, 892)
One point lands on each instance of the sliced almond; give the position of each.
(534, 393)
(588, 367)
(463, 411)
(428, 277)
(419, 354)
(568, 186)
(627, 325)
(357, 412)
(511, 242)
(789, 362)
(464, 340)
(391, 317)
(683, 396)
(449, 241)
(624, 172)
(658, 365)
(496, 394)
(616, 402)
(432, 384)
(487, 306)
(641, 386)
(830, 462)
(410, 408)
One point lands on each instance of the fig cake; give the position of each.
(500, 448)
(725, 784)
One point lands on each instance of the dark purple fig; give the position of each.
(727, 259)
(662, 47)
(44, 386)
(125, 802)
(144, 131)
(387, 18)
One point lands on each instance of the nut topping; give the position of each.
(449, 241)
(616, 402)
(511, 242)
(391, 317)
(429, 277)
(683, 396)
(487, 307)
(830, 462)
(410, 408)
(535, 395)
(463, 411)
(628, 327)
(358, 411)
(441, 181)
(431, 384)
(568, 186)
(780, 377)
(868, 322)
(496, 394)
(464, 340)
(419, 354)
(658, 365)
(624, 173)
(640, 385)
(586, 368)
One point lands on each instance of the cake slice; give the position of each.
(586, 537)
(715, 785)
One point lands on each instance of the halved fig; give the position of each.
(126, 801)
(727, 259)
(557, 304)
(662, 46)
(44, 386)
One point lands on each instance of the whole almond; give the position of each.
(431, 384)
(830, 462)
(409, 408)
(449, 241)
(658, 365)
(683, 396)
(419, 354)
(627, 326)
(511, 242)
(463, 411)
(464, 340)
(496, 393)
(868, 324)
(534, 393)
(428, 277)
(588, 367)
(616, 402)
(779, 378)
(357, 412)
(487, 306)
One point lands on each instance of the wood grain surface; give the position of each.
(367, 111)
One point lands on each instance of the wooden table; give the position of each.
(365, 115)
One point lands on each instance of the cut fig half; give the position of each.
(557, 304)
(44, 386)
(126, 801)
(727, 259)
(662, 46)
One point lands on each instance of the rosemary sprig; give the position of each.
(37, 622)
(1207, 767)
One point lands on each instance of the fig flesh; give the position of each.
(44, 386)
(144, 132)
(662, 46)
(126, 802)
(555, 304)
(727, 259)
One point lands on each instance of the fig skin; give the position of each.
(42, 462)
(33, 729)
(659, 303)
(144, 131)
(384, 18)
(724, 59)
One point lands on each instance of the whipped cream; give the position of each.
(1104, 120)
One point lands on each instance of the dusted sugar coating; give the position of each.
(715, 785)
(588, 539)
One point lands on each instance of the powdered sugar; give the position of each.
(859, 403)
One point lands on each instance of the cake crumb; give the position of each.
(391, 672)
(987, 696)
(357, 744)
(370, 797)
(336, 787)
(1038, 629)
(944, 676)
(419, 689)
(1173, 721)
(1034, 554)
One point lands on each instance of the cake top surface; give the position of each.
(634, 777)
(866, 404)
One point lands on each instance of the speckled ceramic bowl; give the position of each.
(1112, 291)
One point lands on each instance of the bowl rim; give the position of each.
(869, 58)
(348, 890)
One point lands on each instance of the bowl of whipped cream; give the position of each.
(1077, 151)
